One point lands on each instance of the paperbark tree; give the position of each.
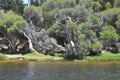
(76, 26)
(9, 27)
(38, 39)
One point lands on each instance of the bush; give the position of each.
(58, 54)
(73, 57)
(97, 46)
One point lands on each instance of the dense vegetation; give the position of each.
(72, 27)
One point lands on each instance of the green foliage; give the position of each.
(11, 21)
(86, 4)
(2, 56)
(10, 27)
(55, 30)
(85, 25)
(37, 2)
(72, 57)
(85, 29)
(59, 55)
(74, 13)
(59, 4)
(97, 46)
(109, 33)
(72, 25)
(34, 55)
(112, 15)
(117, 3)
(96, 6)
(75, 31)
(104, 4)
(33, 14)
(94, 19)
(106, 56)
(113, 18)
(15, 5)
(84, 45)
(34, 8)
(108, 5)
(49, 17)
(2, 13)
(118, 26)
(73, 20)
(111, 12)
(51, 13)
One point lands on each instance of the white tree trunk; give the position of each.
(30, 43)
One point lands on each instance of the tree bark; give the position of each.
(30, 43)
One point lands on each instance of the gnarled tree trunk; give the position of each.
(39, 41)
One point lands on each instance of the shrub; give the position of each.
(58, 54)
(97, 46)
(73, 57)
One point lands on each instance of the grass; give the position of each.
(2, 56)
(37, 56)
(29, 56)
(106, 56)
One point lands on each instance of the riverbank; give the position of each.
(107, 56)
(29, 57)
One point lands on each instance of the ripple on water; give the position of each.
(23, 70)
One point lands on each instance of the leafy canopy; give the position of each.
(11, 21)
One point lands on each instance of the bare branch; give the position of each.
(30, 43)
(69, 18)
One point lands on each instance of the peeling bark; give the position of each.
(39, 41)
(30, 43)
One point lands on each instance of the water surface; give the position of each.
(23, 70)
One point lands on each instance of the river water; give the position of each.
(56, 70)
